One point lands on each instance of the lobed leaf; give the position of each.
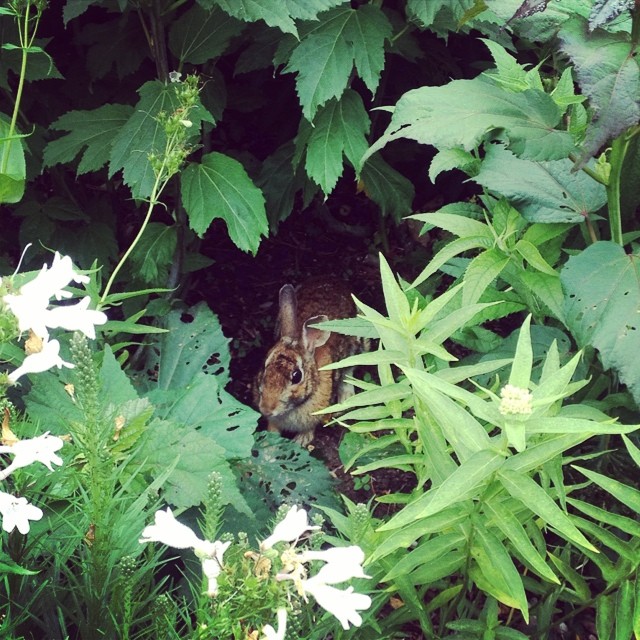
(219, 187)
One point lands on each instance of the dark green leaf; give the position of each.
(12, 165)
(219, 187)
(325, 57)
(90, 133)
(605, 11)
(388, 188)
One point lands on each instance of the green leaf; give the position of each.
(199, 35)
(481, 272)
(515, 533)
(154, 254)
(275, 14)
(219, 187)
(464, 112)
(629, 496)
(455, 218)
(325, 57)
(541, 191)
(602, 306)
(339, 128)
(447, 159)
(508, 73)
(500, 578)
(547, 289)
(12, 165)
(534, 497)
(91, 134)
(609, 76)
(143, 134)
(388, 188)
(605, 616)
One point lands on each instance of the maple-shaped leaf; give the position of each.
(339, 129)
(279, 14)
(200, 35)
(142, 135)
(219, 187)
(608, 74)
(90, 134)
(325, 57)
(465, 113)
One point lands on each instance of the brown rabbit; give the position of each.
(290, 386)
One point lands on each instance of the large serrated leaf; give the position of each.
(339, 128)
(325, 57)
(388, 188)
(219, 187)
(463, 112)
(546, 192)
(609, 76)
(602, 307)
(91, 134)
(199, 35)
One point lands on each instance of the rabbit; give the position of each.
(290, 387)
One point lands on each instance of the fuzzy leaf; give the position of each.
(219, 187)
(339, 129)
(609, 76)
(602, 306)
(200, 35)
(325, 57)
(541, 191)
(447, 159)
(91, 134)
(463, 112)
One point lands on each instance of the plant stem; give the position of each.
(618, 151)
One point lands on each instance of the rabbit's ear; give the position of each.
(287, 315)
(313, 338)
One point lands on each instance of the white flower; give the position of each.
(77, 317)
(212, 566)
(270, 633)
(344, 605)
(41, 361)
(167, 530)
(289, 529)
(515, 401)
(41, 449)
(16, 513)
(343, 563)
(174, 76)
(29, 310)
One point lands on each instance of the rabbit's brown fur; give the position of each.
(290, 387)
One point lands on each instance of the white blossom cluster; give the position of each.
(341, 564)
(515, 401)
(31, 306)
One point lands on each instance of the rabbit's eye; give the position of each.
(296, 376)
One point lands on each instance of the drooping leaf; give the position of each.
(154, 253)
(219, 187)
(447, 159)
(388, 188)
(90, 133)
(541, 191)
(602, 306)
(325, 57)
(275, 14)
(200, 35)
(12, 165)
(463, 112)
(74, 8)
(608, 74)
(425, 12)
(40, 65)
(339, 128)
